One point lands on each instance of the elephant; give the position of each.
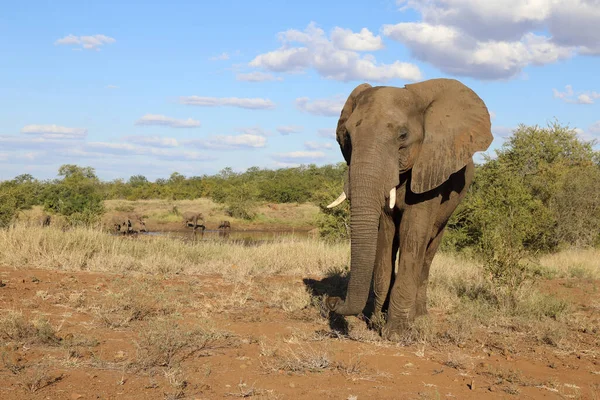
(124, 223)
(45, 220)
(225, 225)
(409, 153)
(191, 218)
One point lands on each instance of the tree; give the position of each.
(77, 196)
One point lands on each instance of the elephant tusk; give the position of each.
(338, 200)
(393, 198)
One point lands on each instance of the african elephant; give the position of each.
(193, 219)
(409, 154)
(126, 223)
(224, 225)
(45, 220)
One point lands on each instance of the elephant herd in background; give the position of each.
(195, 220)
(131, 223)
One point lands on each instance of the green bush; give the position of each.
(77, 196)
(543, 188)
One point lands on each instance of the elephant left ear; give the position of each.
(456, 125)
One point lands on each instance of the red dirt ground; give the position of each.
(93, 360)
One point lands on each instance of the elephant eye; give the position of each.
(403, 134)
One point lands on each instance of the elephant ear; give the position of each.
(456, 125)
(341, 131)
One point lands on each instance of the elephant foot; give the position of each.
(377, 320)
(421, 310)
(394, 329)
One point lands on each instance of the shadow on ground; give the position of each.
(335, 285)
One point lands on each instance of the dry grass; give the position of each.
(93, 250)
(574, 263)
(459, 289)
(37, 378)
(164, 343)
(15, 327)
(127, 302)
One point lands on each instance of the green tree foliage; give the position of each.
(77, 196)
(540, 192)
(21, 193)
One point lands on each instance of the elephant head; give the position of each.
(422, 134)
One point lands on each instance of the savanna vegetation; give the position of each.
(517, 277)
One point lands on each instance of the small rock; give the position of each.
(243, 366)
(35, 279)
(472, 385)
(76, 396)
(292, 385)
(2, 284)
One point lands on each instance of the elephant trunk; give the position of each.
(366, 206)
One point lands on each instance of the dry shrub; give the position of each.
(289, 298)
(302, 359)
(133, 302)
(37, 378)
(14, 326)
(165, 344)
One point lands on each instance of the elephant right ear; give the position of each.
(341, 131)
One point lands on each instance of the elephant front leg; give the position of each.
(421, 306)
(414, 237)
(384, 262)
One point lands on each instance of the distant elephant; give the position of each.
(45, 220)
(224, 225)
(191, 218)
(409, 154)
(124, 223)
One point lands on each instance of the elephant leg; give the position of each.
(384, 261)
(421, 307)
(415, 232)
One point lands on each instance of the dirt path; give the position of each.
(199, 337)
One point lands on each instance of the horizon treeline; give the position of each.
(540, 191)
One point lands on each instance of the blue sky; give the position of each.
(157, 87)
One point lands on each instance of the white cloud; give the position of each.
(112, 87)
(86, 42)
(456, 53)
(331, 107)
(568, 96)
(249, 103)
(317, 146)
(254, 130)
(299, 156)
(221, 57)
(361, 41)
(257, 76)
(595, 128)
(497, 39)
(327, 132)
(54, 131)
(502, 131)
(286, 130)
(101, 149)
(333, 59)
(157, 141)
(229, 142)
(492, 115)
(156, 119)
(591, 133)
(19, 142)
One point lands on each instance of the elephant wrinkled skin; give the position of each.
(409, 154)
